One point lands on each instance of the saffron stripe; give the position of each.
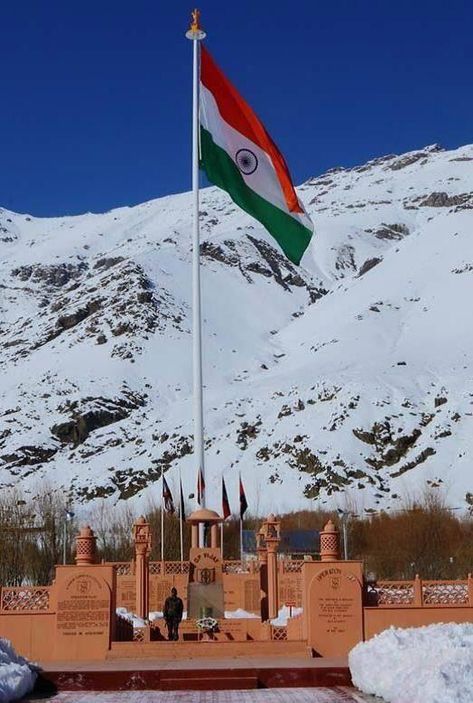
(236, 111)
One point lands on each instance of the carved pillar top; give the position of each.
(142, 537)
(85, 546)
(261, 547)
(272, 532)
(329, 543)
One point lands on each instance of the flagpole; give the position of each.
(162, 518)
(195, 34)
(181, 501)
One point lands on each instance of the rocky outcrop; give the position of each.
(90, 414)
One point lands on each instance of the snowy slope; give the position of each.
(347, 379)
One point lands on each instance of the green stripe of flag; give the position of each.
(292, 236)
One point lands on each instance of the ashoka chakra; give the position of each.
(246, 161)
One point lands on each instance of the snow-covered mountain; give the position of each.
(347, 380)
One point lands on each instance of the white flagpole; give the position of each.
(181, 501)
(162, 518)
(195, 34)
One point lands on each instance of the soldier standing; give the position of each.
(172, 614)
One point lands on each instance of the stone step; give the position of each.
(182, 650)
(209, 683)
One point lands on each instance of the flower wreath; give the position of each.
(207, 624)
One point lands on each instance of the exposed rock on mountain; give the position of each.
(347, 380)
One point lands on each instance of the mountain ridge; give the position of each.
(346, 380)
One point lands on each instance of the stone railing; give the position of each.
(420, 593)
(292, 566)
(156, 568)
(123, 568)
(279, 633)
(25, 599)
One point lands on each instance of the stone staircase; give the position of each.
(183, 650)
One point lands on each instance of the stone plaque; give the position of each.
(252, 596)
(160, 590)
(206, 564)
(83, 613)
(126, 592)
(335, 609)
(290, 589)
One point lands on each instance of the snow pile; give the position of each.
(284, 614)
(239, 613)
(17, 677)
(415, 665)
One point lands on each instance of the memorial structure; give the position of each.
(332, 606)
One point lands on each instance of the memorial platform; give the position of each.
(202, 674)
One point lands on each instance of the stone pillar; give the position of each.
(142, 540)
(330, 543)
(214, 536)
(272, 530)
(263, 573)
(194, 536)
(85, 547)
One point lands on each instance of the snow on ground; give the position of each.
(17, 676)
(432, 664)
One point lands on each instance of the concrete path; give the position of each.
(339, 694)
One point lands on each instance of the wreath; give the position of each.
(207, 624)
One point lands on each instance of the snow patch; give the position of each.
(17, 676)
(417, 664)
(284, 614)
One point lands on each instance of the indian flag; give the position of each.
(238, 155)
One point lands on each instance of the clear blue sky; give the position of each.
(95, 95)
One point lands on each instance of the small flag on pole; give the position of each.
(226, 511)
(243, 501)
(238, 155)
(182, 510)
(167, 498)
(200, 487)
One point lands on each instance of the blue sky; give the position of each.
(96, 95)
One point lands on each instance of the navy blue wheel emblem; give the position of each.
(246, 161)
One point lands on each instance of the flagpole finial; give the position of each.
(195, 31)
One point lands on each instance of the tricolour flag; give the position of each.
(200, 487)
(226, 511)
(239, 156)
(243, 501)
(167, 498)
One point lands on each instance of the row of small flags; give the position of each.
(168, 501)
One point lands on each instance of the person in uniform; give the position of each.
(172, 614)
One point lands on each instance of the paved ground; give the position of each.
(339, 694)
(197, 663)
